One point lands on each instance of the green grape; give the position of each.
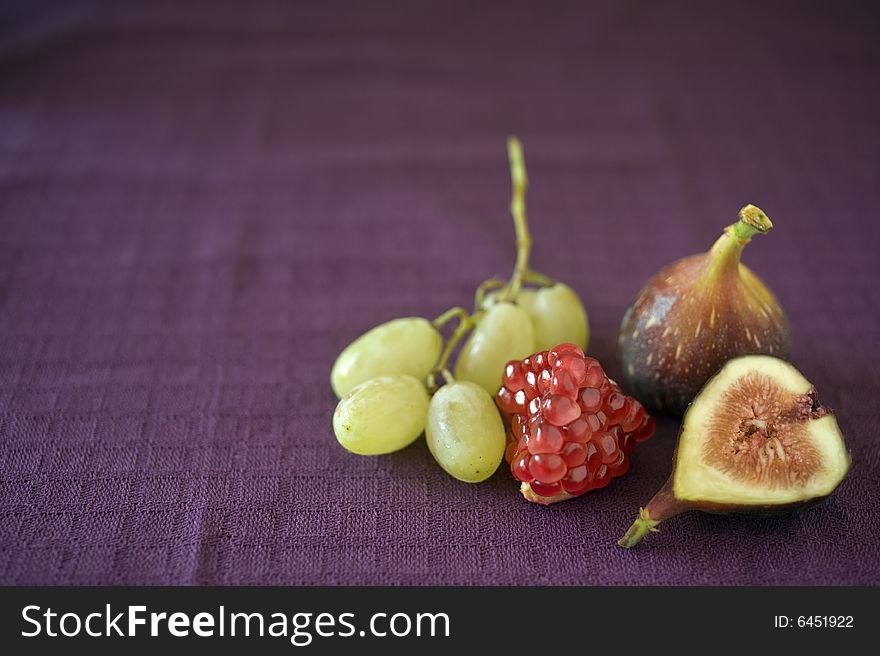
(403, 346)
(382, 415)
(503, 333)
(557, 315)
(464, 431)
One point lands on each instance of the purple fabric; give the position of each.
(202, 203)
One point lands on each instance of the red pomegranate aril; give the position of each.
(607, 446)
(634, 416)
(620, 466)
(605, 389)
(535, 405)
(560, 410)
(544, 489)
(615, 404)
(547, 467)
(646, 431)
(595, 374)
(594, 458)
(520, 468)
(595, 421)
(563, 384)
(574, 454)
(506, 401)
(546, 439)
(615, 407)
(530, 393)
(514, 376)
(578, 431)
(544, 379)
(602, 477)
(574, 365)
(539, 361)
(590, 400)
(577, 480)
(532, 379)
(554, 353)
(518, 426)
(510, 452)
(628, 443)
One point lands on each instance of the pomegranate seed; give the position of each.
(562, 383)
(546, 439)
(547, 467)
(595, 421)
(577, 480)
(544, 379)
(620, 466)
(560, 410)
(518, 426)
(520, 468)
(532, 379)
(628, 443)
(545, 490)
(530, 393)
(607, 446)
(615, 407)
(554, 353)
(602, 477)
(539, 361)
(535, 406)
(595, 374)
(594, 458)
(578, 431)
(514, 376)
(646, 431)
(574, 454)
(590, 399)
(510, 452)
(507, 402)
(574, 365)
(634, 416)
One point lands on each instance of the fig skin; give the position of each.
(665, 504)
(697, 313)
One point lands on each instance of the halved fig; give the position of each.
(754, 440)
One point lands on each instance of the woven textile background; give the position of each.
(201, 203)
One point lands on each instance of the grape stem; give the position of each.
(520, 182)
(486, 286)
(450, 314)
(509, 289)
(466, 322)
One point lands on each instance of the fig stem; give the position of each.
(639, 529)
(726, 251)
(752, 221)
(662, 506)
(520, 182)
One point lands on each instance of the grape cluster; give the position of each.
(571, 428)
(396, 381)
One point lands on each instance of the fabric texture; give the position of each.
(202, 203)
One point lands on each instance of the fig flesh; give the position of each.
(697, 313)
(755, 440)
